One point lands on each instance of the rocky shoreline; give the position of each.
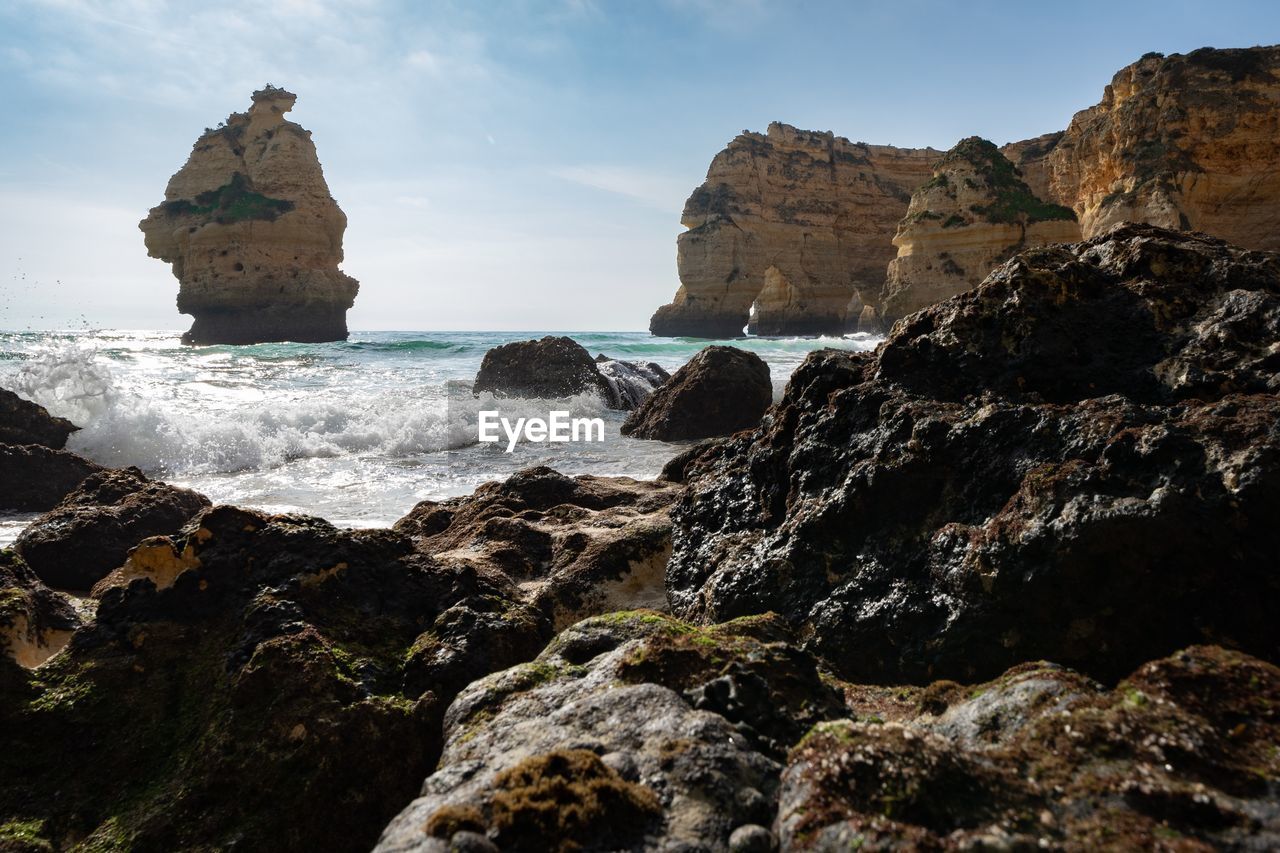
(1008, 582)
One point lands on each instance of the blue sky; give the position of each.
(505, 165)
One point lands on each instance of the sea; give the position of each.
(356, 432)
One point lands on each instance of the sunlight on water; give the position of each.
(356, 432)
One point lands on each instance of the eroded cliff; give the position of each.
(795, 223)
(973, 214)
(1183, 141)
(253, 234)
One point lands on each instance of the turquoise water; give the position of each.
(356, 432)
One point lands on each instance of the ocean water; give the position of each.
(356, 432)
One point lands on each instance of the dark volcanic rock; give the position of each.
(35, 478)
(692, 722)
(720, 391)
(92, 530)
(1180, 756)
(592, 544)
(251, 695)
(1078, 461)
(24, 422)
(550, 367)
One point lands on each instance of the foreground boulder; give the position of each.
(720, 391)
(91, 531)
(583, 545)
(1078, 461)
(34, 478)
(251, 696)
(631, 731)
(1180, 756)
(25, 422)
(254, 237)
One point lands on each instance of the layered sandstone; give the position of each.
(973, 214)
(253, 234)
(1184, 141)
(797, 224)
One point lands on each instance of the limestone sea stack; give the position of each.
(254, 237)
(975, 213)
(1183, 141)
(797, 224)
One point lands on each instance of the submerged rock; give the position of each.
(630, 382)
(1078, 461)
(253, 234)
(677, 725)
(91, 531)
(25, 422)
(550, 367)
(1179, 755)
(719, 391)
(34, 478)
(555, 367)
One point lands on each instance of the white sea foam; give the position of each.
(356, 432)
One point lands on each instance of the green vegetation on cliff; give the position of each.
(231, 202)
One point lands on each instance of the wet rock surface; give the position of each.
(1180, 755)
(691, 721)
(574, 546)
(25, 422)
(1077, 461)
(548, 367)
(269, 668)
(719, 391)
(91, 531)
(35, 478)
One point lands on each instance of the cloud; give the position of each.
(654, 190)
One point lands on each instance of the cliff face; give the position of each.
(796, 223)
(254, 237)
(971, 216)
(1185, 141)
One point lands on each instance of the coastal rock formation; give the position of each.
(719, 391)
(1184, 141)
(1178, 756)
(795, 223)
(550, 367)
(973, 214)
(676, 736)
(25, 422)
(254, 237)
(92, 530)
(35, 621)
(34, 478)
(579, 545)
(1077, 461)
(248, 651)
(268, 668)
(555, 367)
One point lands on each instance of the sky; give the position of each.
(506, 165)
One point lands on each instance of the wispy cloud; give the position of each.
(654, 190)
